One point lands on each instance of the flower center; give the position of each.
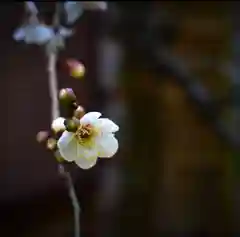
(84, 133)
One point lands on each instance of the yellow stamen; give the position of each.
(84, 134)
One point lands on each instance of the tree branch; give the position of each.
(55, 112)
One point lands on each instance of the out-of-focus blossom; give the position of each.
(58, 125)
(74, 9)
(93, 138)
(77, 69)
(65, 32)
(42, 136)
(31, 7)
(39, 33)
(34, 34)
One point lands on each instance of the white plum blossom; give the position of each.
(93, 138)
(74, 9)
(33, 34)
(39, 33)
(58, 124)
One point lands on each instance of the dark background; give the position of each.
(167, 72)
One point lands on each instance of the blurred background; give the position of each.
(168, 73)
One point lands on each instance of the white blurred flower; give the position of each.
(65, 32)
(58, 124)
(39, 33)
(74, 9)
(34, 34)
(31, 7)
(94, 138)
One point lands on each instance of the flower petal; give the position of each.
(38, 34)
(107, 126)
(19, 34)
(73, 11)
(107, 146)
(67, 145)
(58, 124)
(86, 153)
(31, 7)
(86, 164)
(90, 118)
(65, 32)
(87, 158)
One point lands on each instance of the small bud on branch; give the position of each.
(71, 125)
(42, 136)
(51, 144)
(79, 112)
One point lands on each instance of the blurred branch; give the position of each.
(150, 41)
(176, 67)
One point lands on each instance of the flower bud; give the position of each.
(51, 144)
(71, 125)
(58, 125)
(42, 136)
(79, 112)
(74, 105)
(76, 69)
(67, 95)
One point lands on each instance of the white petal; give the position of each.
(107, 126)
(38, 34)
(19, 34)
(73, 11)
(65, 32)
(58, 124)
(65, 139)
(107, 146)
(87, 158)
(86, 164)
(86, 153)
(67, 145)
(90, 118)
(43, 34)
(31, 7)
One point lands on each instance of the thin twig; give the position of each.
(75, 204)
(52, 76)
(53, 89)
(73, 196)
(30, 8)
